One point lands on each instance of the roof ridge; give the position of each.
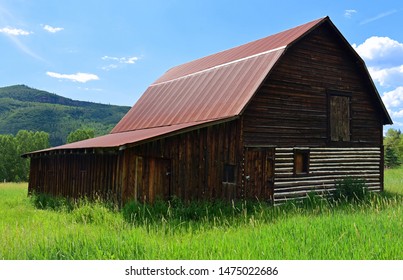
(250, 48)
(220, 65)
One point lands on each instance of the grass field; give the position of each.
(315, 230)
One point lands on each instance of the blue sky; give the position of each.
(109, 51)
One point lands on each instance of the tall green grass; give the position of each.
(314, 229)
(394, 181)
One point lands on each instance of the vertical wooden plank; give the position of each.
(135, 178)
(340, 118)
(151, 171)
(259, 173)
(140, 175)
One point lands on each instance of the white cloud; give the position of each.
(381, 15)
(394, 98)
(78, 77)
(52, 29)
(118, 60)
(397, 114)
(14, 31)
(130, 60)
(21, 46)
(384, 57)
(387, 77)
(349, 13)
(124, 60)
(380, 49)
(109, 67)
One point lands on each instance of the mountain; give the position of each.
(22, 107)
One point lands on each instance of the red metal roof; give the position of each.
(206, 90)
(256, 47)
(216, 86)
(219, 92)
(128, 137)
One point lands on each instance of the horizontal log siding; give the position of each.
(326, 166)
(291, 107)
(76, 175)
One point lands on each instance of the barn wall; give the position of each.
(194, 161)
(292, 109)
(326, 166)
(76, 175)
(292, 106)
(189, 166)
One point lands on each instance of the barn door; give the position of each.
(159, 179)
(339, 118)
(259, 173)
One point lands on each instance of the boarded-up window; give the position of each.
(301, 161)
(339, 118)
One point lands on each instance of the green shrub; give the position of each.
(93, 213)
(350, 189)
(46, 201)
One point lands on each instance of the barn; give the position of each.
(272, 120)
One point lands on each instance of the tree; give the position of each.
(28, 141)
(8, 159)
(393, 142)
(391, 158)
(12, 166)
(80, 134)
(392, 138)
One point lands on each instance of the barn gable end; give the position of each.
(272, 119)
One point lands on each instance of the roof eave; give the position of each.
(123, 146)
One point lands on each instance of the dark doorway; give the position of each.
(159, 179)
(259, 173)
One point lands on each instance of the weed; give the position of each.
(350, 190)
(46, 201)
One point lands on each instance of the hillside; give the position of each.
(22, 107)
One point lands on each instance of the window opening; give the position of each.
(301, 162)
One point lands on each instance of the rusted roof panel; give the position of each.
(219, 92)
(262, 45)
(216, 86)
(129, 137)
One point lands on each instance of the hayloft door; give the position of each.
(259, 173)
(159, 179)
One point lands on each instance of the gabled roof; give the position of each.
(205, 91)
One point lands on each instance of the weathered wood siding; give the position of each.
(76, 175)
(258, 173)
(292, 109)
(188, 166)
(326, 166)
(292, 106)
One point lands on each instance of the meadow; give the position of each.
(43, 228)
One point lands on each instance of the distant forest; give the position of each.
(25, 108)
